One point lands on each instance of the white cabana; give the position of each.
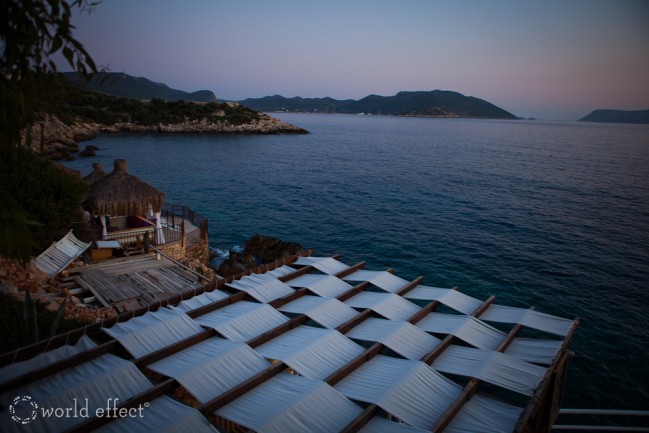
(312, 352)
(466, 328)
(328, 312)
(528, 317)
(388, 305)
(402, 337)
(243, 320)
(290, 403)
(409, 390)
(451, 298)
(152, 331)
(327, 265)
(383, 279)
(211, 367)
(326, 286)
(492, 367)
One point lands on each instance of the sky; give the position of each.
(548, 59)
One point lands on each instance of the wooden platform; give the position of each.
(133, 282)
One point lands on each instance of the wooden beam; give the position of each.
(354, 321)
(425, 311)
(361, 420)
(411, 285)
(350, 270)
(277, 331)
(236, 392)
(240, 296)
(353, 291)
(352, 365)
(289, 298)
(174, 348)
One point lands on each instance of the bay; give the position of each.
(551, 214)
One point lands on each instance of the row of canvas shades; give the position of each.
(326, 325)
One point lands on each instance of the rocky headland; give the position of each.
(59, 140)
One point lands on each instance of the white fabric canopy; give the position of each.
(328, 312)
(312, 352)
(449, 297)
(528, 317)
(382, 425)
(152, 331)
(96, 380)
(466, 328)
(290, 403)
(199, 301)
(280, 272)
(409, 390)
(402, 337)
(383, 279)
(43, 359)
(159, 234)
(492, 367)
(243, 320)
(484, 415)
(263, 290)
(326, 286)
(327, 265)
(532, 350)
(211, 367)
(388, 305)
(163, 415)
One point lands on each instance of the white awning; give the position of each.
(290, 403)
(243, 320)
(262, 289)
(96, 380)
(484, 415)
(312, 352)
(326, 286)
(409, 390)
(152, 331)
(383, 279)
(492, 367)
(199, 301)
(528, 317)
(388, 305)
(327, 265)
(466, 328)
(328, 312)
(382, 425)
(532, 350)
(402, 337)
(451, 298)
(162, 415)
(211, 367)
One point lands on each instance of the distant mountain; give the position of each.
(617, 116)
(127, 86)
(436, 103)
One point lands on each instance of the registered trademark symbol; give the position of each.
(146, 404)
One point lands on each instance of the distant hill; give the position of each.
(435, 103)
(127, 86)
(617, 116)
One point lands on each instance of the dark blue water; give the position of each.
(554, 215)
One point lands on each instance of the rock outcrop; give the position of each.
(59, 140)
(258, 250)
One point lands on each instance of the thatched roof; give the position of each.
(97, 174)
(120, 193)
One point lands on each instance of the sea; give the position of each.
(550, 214)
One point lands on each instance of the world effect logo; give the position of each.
(23, 410)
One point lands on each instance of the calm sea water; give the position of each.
(554, 215)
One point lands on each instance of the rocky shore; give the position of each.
(60, 140)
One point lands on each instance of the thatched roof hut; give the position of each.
(97, 174)
(120, 193)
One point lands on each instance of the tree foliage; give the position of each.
(31, 33)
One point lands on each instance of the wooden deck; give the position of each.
(133, 282)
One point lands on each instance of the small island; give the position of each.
(617, 116)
